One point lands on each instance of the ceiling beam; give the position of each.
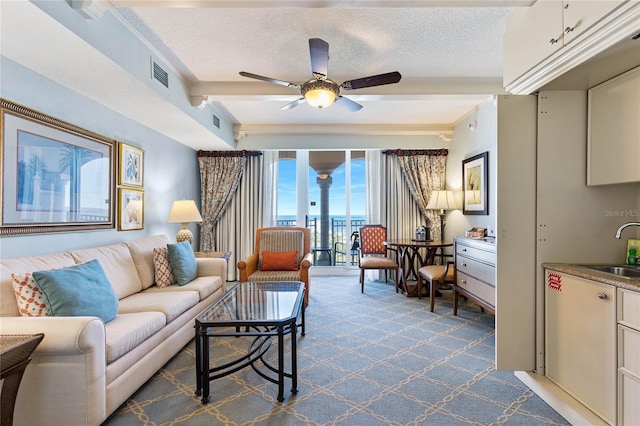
(315, 4)
(444, 131)
(403, 90)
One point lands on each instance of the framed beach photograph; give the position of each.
(130, 209)
(56, 177)
(475, 181)
(131, 166)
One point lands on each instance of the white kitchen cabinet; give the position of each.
(532, 35)
(628, 357)
(580, 340)
(614, 130)
(551, 37)
(580, 15)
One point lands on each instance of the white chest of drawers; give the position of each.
(475, 272)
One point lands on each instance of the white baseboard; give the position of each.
(567, 406)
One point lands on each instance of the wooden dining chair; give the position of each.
(435, 275)
(372, 253)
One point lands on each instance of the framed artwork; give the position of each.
(131, 166)
(130, 209)
(56, 177)
(475, 181)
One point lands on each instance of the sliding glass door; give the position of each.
(325, 191)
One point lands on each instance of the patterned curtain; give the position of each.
(424, 172)
(220, 173)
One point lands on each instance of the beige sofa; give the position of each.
(84, 369)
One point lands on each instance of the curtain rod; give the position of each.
(243, 153)
(409, 152)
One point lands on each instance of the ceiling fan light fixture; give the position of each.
(320, 93)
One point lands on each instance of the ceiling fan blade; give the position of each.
(348, 104)
(268, 79)
(294, 104)
(319, 50)
(374, 80)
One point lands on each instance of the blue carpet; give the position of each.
(377, 358)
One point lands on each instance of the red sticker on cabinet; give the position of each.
(554, 281)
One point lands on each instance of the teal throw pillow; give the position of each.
(79, 290)
(182, 261)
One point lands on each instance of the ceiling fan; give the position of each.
(320, 91)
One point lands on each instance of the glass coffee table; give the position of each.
(262, 310)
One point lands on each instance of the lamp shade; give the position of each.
(442, 200)
(184, 211)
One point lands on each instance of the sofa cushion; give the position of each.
(118, 265)
(183, 262)
(279, 241)
(142, 254)
(127, 331)
(279, 261)
(8, 304)
(205, 286)
(162, 268)
(79, 290)
(171, 304)
(29, 296)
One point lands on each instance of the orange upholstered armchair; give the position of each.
(282, 253)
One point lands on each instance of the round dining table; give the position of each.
(412, 255)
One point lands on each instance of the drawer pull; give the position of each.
(464, 264)
(463, 281)
(602, 296)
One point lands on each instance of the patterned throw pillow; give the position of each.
(29, 296)
(162, 268)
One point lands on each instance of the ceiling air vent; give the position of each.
(216, 121)
(159, 74)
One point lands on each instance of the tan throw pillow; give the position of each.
(162, 268)
(29, 296)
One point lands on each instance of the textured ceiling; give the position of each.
(450, 58)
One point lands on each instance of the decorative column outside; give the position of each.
(324, 182)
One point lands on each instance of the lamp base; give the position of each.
(184, 235)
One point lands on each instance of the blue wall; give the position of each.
(171, 169)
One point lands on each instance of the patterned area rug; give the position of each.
(377, 358)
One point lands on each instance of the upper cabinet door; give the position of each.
(614, 130)
(532, 35)
(580, 15)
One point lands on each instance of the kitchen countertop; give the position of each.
(628, 283)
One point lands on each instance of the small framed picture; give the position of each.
(131, 165)
(130, 209)
(475, 181)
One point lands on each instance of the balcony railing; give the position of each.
(340, 243)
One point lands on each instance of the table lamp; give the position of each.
(185, 212)
(442, 200)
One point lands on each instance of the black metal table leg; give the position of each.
(198, 363)
(294, 358)
(280, 364)
(204, 367)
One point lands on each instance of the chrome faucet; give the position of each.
(619, 231)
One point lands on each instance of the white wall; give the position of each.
(467, 143)
(171, 169)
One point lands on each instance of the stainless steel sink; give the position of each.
(624, 271)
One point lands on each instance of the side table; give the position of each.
(15, 350)
(223, 254)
